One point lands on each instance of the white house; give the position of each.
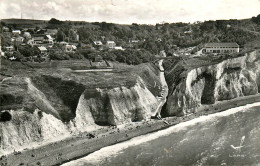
(111, 44)
(5, 29)
(118, 48)
(31, 42)
(133, 41)
(27, 35)
(42, 49)
(221, 48)
(49, 39)
(16, 32)
(69, 48)
(19, 39)
(98, 43)
(38, 39)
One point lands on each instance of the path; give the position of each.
(164, 92)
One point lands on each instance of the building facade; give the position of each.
(221, 48)
(111, 44)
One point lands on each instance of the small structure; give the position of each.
(98, 45)
(9, 48)
(5, 29)
(12, 58)
(48, 39)
(16, 32)
(19, 39)
(42, 49)
(221, 48)
(27, 35)
(63, 43)
(133, 41)
(38, 39)
(31, 42)
(119, 48)
(187, 32)
(69, 48)
(111, 44)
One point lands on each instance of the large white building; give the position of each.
(221, 47)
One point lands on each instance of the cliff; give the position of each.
(231, 78)
(43, 106)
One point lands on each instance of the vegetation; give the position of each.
(150, 39)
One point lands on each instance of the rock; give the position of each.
(229, 79)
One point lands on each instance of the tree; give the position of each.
(60, 35)
(256, 19)
(55, 21)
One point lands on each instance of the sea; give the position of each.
(231, 137)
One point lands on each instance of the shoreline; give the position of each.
(85, 143)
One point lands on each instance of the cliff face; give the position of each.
(25, 128)
(229, 79)
(38, 109)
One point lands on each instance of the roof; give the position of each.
(221, 45)
(110, 42)
(42, 48)
(49, 36)
(118, 48)
(98, 43)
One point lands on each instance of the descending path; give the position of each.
(164, 92)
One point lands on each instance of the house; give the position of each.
(42, 49)
(16, 32)
(187, 32)
(111, 44)
(12, 58)
(133, 41)
(98, 44)
(9, 49)
(48, 39)
(31, 42)
(221, 48)
(19, 39)
(118, 48)
(27, 35)
(69, 48)
(63, 43)
(5, 29)
(38, 39)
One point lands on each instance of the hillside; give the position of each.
(155, 38)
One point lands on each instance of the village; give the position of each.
(42, 43)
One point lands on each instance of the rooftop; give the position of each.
(221, 45)
(42, 48)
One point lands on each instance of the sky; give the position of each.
(130, 11)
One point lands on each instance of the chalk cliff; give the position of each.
(229, 79)
(40, 108)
